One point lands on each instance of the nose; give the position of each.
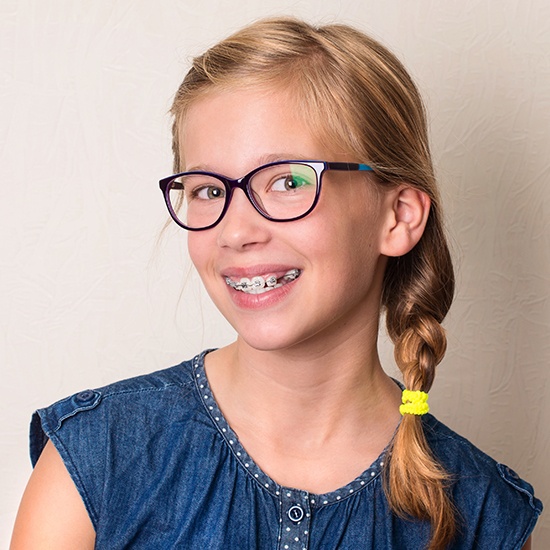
(242, 227)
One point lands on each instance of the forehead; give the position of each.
(241, 128)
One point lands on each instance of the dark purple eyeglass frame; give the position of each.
(243, 183)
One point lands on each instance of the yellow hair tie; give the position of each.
(414, 402)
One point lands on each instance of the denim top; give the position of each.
(157, 466)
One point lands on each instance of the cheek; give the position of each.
(197, 248)
(353, 219)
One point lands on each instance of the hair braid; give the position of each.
(417, 296)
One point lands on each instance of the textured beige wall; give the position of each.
(87, 298)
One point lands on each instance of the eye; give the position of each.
(289, 182)
(202, 187)
(208, 192)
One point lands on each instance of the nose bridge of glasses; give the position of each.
(232, 185)
(242, 184)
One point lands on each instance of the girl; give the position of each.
(304, 180)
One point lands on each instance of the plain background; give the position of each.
(88, 296)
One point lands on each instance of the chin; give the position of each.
(266, 341)
(277, 340)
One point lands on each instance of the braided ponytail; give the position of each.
(417, 294)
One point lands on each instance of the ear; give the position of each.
(407, 214)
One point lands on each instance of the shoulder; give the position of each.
(148, 396)
(487, 493)
(123, 434)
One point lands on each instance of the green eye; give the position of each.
(289, 182)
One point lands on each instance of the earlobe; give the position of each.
(407, 216)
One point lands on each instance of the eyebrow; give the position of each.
(264, 159)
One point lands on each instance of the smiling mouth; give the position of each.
(259, 284)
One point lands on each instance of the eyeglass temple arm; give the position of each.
(175, 184)
(348, 166)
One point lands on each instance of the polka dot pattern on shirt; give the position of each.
(297, 507)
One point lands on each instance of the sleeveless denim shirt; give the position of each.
(158, 467)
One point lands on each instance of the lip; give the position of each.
(236, 273)
(259, 301)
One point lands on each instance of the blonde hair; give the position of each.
(355, 93)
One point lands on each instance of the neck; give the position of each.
(301, 392)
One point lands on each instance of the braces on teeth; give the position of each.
(258, 284)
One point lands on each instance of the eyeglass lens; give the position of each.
(280, 191)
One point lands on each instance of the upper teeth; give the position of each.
(258, 284)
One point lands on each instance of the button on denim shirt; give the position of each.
(158, 467)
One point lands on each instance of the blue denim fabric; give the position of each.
(158, 467)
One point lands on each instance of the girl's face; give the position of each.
(335, 249)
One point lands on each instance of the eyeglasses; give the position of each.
(280, 191)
